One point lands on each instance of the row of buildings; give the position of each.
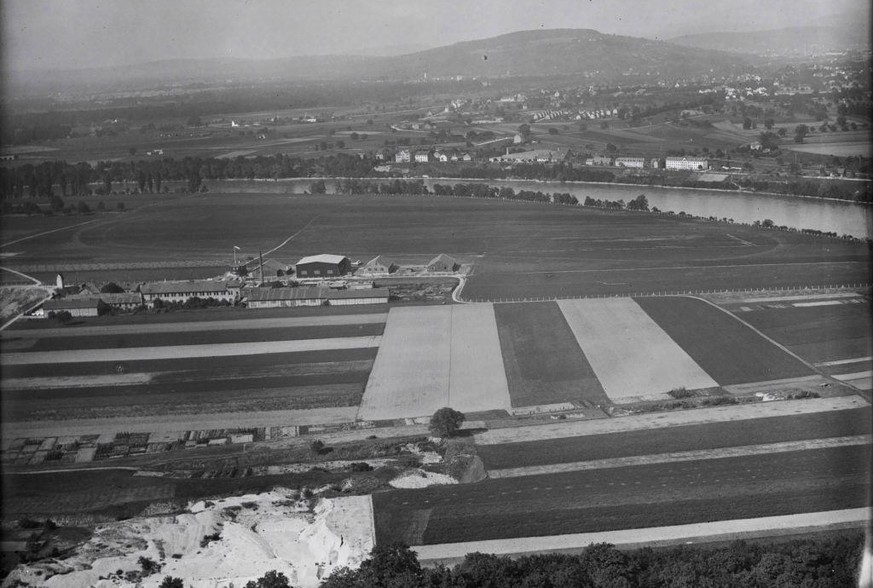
(426, 156)
(314, 269)
(671, 163)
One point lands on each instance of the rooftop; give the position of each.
(185, 287)
(323, 258)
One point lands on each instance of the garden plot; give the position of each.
(411, 374)
(633, 358)
(431, 357)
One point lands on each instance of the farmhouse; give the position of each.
(122, 300)
(422, 156)
(315, 296)
(638, 162)
(442, 263)
(694, 163)
(378, 266)
(184, 291)
(324, 265)
(402, 156)
(75, 306)
(599, 160)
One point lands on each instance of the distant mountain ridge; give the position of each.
(789, 41)
(524, 53)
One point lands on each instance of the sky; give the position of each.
(72, 34)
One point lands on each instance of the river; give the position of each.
(843, 218)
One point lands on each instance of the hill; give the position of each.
(526, 53)
(560, 52)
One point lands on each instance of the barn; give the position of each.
(323, 266)
(291, 297)
(122, 301)
(443, 263)
(75, 306)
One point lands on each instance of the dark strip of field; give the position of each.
(682, 438)
(542, 359)
(513, 282)
(627, 498)
(819, 333)
(205, 315)
(140, 401)
(241, 365)
(192, 337)
(729, 351)
(118, 493)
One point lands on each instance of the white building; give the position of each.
(183, 291)
(687, 163)
(422, 156)
(638, 162)
(402, 156)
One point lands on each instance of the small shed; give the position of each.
(443, 263)
(379, 265)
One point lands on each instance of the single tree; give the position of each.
(446, 421)
(111, 288)
(171, 582)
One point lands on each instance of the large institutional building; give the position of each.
(692, 163)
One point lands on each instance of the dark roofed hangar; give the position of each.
(322, 266)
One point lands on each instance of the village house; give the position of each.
(379, 265)
(402, 156)
(636, 162)
(442, 263)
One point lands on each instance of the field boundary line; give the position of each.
(7, 244)
(700, 532)
(843, 361)
(679, 456)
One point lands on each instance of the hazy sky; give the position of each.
(48, 34)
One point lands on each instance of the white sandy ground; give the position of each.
(421, 479)
(225, 325)
(76, 381)
(410, 376)
(695, 416)
(437, 356)
(182, 351)
(620, 462)
(860, 380)
(631, 355)
(181, 422)
(279, 534)
(693, 533)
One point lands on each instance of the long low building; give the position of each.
(184, 291)
(75, 306)
(291, 297)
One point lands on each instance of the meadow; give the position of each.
(517, 250)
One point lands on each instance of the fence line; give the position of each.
(664, 293)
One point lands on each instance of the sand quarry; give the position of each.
(252, 534)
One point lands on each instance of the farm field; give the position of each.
(629, 497)
(227, 367)
(632, 357)
(518, 250)
(727, 350)
(820, 333)
(432, 357)
(714, 435)
(543, 361)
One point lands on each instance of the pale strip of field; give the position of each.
(477, 379)
(76, 381)
(220, 325)
(696, 416)
(629, 353)
(854, 376)
(803, 382)
(410, 376)
(818, 303)
(186, 351)
(799, 297)
(695, 455)
(692, 533)
(183, 422)
(843, 361)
